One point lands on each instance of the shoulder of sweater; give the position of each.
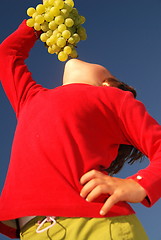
(117, 94)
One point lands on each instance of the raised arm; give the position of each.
(14, 74)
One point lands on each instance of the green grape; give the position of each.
(35, 14)
(71, 40)
(54, 11)
(66, 34)
(53, 25)
(77, 20)
(68, 7)
(50, 50)
(69, 22)
(49, 33)
(30, 22)
(30, 11)
(71, 15)
(71, 46)
(59, 4)
(61, 42)
(46, 3)
(53, 39)
(55, 48)
(40, 8)
(45, 26)
(81, 30)
(82, 33)
(83, 19)
(43, 37)
(76, 37)
(58, 35)
(37, 26)
(67, 50)
(83, 36)
(47, 10)
(48, 43)
(55, 32)
(62, 56)
(64, 12)
(48, 17)
(72, 30)
(74, 12)
(51, 2)
(62, 27)
(59, 19)
(70, 2)
(74, 53)
(39, 19)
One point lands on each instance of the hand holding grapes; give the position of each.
(96, 183)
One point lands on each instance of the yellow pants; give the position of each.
(113, 228)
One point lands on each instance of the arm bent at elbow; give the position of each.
(96, 183)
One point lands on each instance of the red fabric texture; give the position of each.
(64, 132)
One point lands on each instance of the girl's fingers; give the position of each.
(90, 175)
(96, 192)
(110, 202)
(89, 187)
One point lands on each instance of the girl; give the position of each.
(65, 139)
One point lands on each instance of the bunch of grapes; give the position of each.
(61, 26)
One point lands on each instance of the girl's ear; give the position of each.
(105, 83)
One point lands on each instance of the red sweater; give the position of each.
(63, 133)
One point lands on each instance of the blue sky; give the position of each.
(125, 37)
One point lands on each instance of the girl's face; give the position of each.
(77, 71)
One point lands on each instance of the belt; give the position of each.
(23, 220)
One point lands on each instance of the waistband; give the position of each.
(37, 219)
(23, 220)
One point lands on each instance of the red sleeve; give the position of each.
(8, 231)
(14, 74)
(143, 132)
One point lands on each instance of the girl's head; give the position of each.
(77, 71)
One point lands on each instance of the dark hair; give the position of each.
(126, 153)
